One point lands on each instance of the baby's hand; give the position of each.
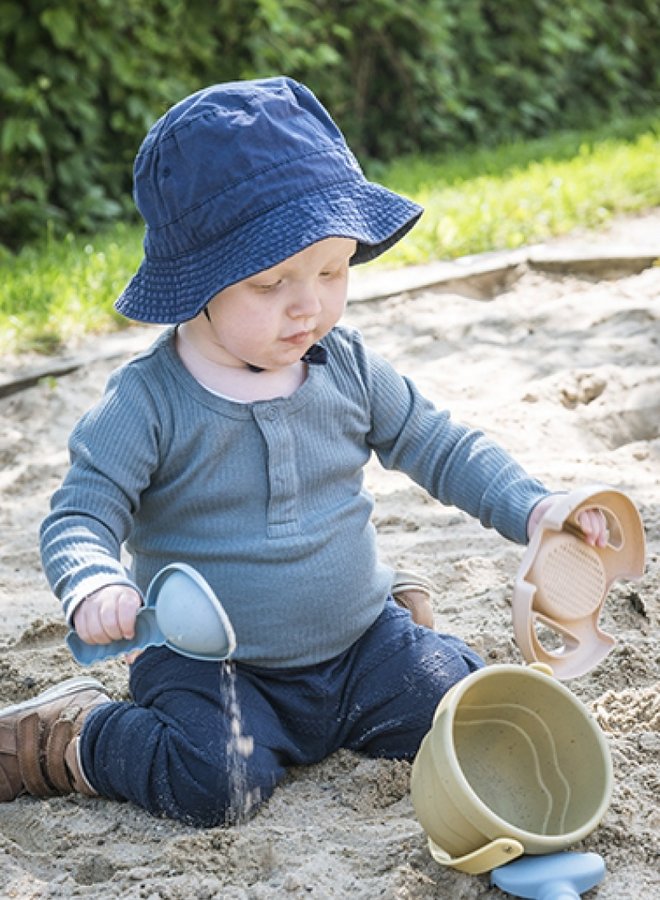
(594, 527)
(108, 614)
(592, 522)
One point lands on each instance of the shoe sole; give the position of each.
(57, 692)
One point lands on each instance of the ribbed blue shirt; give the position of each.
(265, 499)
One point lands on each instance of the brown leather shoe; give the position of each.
(413, 592)
(37, 735)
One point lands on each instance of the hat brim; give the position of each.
(172, 290)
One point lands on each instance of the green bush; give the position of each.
(79, 85)
(80, 81)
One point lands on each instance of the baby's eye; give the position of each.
(331, 273)
(265, 286)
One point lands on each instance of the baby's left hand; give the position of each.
(592, 522)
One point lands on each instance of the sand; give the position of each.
(564, 371)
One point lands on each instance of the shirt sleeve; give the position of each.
(456, 464)
(114, 450)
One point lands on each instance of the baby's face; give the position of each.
(273, 318)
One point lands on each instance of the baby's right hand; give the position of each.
(108, 614)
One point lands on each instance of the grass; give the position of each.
(526, 192)
(62, 289)
(476, 200)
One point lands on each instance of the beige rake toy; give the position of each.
(562, 582)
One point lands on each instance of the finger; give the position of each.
(80, 623)
(89, 625)
(601, 530)
(594, 526)
(584, 521)
(109, 619)
(589, 526)
(128, 605)
(99, 619)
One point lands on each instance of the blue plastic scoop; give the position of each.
(556, 876)
(180, 611)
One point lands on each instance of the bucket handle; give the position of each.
(490, 856)
(542, 667)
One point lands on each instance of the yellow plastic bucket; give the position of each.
(514, 763)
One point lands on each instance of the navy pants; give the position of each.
(206, 742)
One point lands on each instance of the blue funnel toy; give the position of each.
(180, 611)
(556, 876)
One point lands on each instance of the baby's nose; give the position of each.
(306, 302)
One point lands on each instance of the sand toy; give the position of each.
(514, 763)
(180, 611)
(558, 876)
(562, 582)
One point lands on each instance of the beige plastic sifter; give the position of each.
(562, 582)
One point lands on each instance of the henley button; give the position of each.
(271, 412)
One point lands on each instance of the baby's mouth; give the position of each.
(299, 338)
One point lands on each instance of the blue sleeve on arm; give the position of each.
(114, 450)
(457, 465)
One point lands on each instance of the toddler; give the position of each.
(237, 444)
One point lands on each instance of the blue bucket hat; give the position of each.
(238, 177)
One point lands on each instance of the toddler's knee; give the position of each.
(219, 791)
(214, 798)
(457, 659)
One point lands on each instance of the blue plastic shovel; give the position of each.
(556, 876)
(180, 611)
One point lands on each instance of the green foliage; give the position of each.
(81, 82)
